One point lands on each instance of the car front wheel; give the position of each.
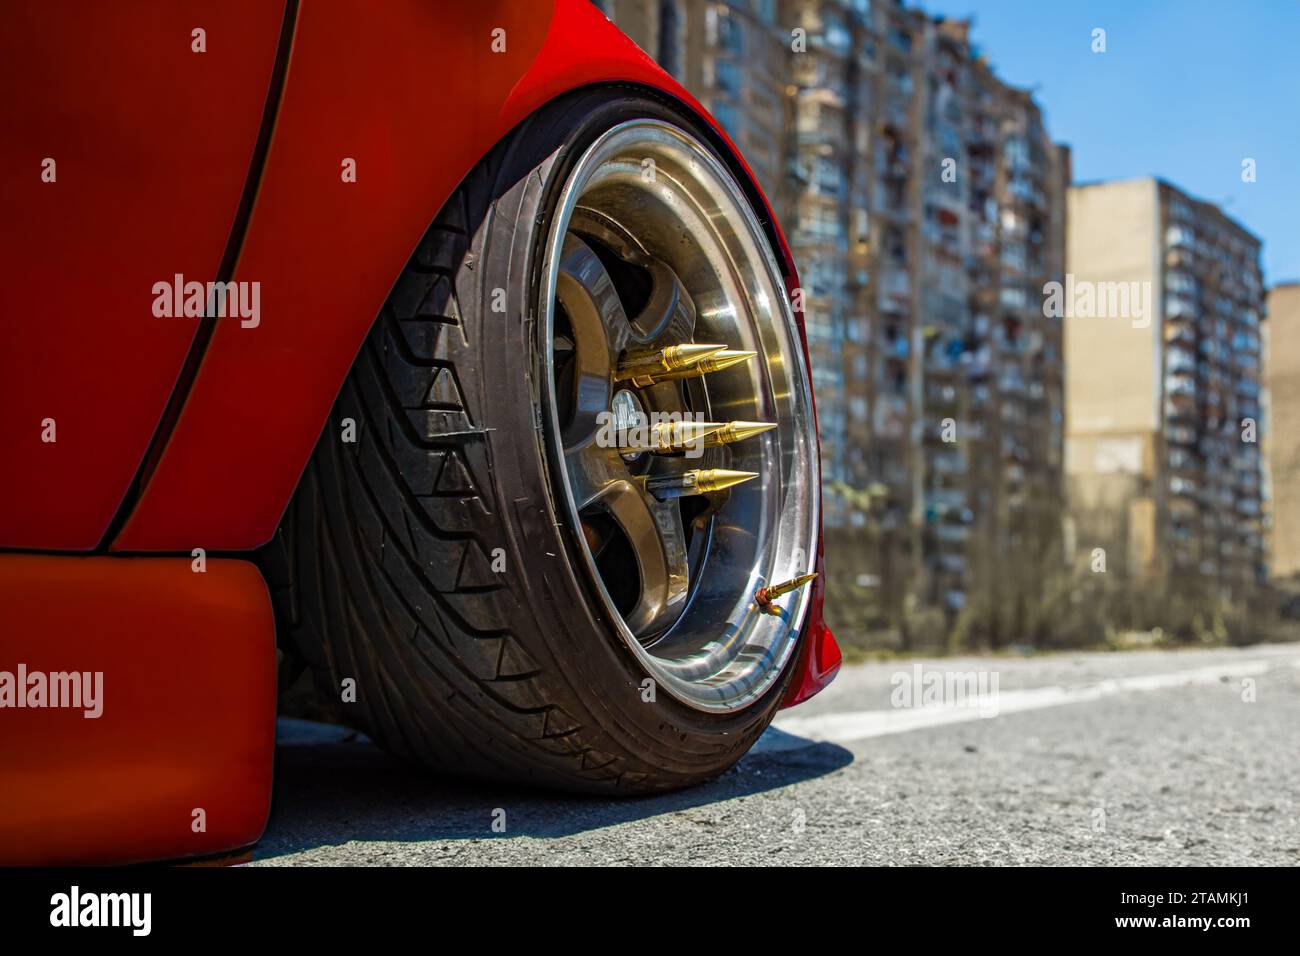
(576, 445)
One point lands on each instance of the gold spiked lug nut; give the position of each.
(698, 482)
(646, 369)
(673, 436)
(737, 431)
(764, 597)
(714, 363)
(677, 436)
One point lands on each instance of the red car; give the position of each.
(452, 346)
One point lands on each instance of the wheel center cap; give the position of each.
(626, 408)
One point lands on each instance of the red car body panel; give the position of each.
(327, 252)
(151, 143)
(414, 94)
(186, 707)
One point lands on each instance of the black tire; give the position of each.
(389, 541)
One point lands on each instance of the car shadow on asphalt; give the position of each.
(333, 786)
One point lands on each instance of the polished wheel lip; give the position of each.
(757, 657)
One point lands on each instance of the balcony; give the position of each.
(1180, 307)
(1181, 409)
(895, 291)
(897, 348)
(952, 533)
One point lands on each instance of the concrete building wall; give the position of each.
(1282, 379)
(1112, 382)
(1113, 386)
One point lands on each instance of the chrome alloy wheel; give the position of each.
(661, 297)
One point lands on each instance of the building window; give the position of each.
(826, 177)
(731, 36)
(727, 76)
(727, 117)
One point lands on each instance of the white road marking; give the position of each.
(861, 724)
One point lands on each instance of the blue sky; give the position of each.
(1185, 90)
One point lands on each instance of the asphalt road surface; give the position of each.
(1175, 758)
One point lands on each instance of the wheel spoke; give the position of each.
(600, 331)
(592, 469)
(659, 541)
(669, 313)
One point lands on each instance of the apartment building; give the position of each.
(1282, 451)
(1163, 400)
(924, 201)
(732, 57)
(1014, 407)
(827, 218)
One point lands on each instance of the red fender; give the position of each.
(326, 252)
(124, 154)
